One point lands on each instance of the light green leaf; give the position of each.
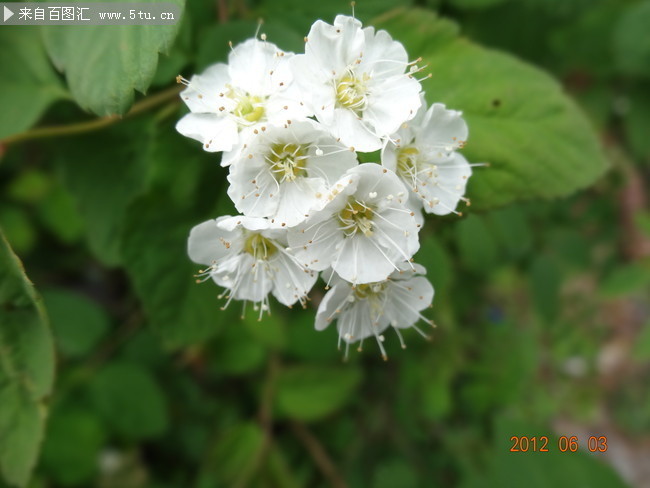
(537, 141)
(26, 369)
(28, 84)
(312, 392)
(104, 64)
(130, 400)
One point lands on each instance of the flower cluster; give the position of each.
(290, 127)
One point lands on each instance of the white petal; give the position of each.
(445, 189)
(297, 199)
(202, 94)
(392, 102)
(316, 247)
(382, 56)
(335, 299)
(250, 223)
(290, 281)
(442, 127)
(362, 260)
(256, 67)
(353, 131)
(406, 299)
(207, 242)
(217, 133)
(259, 199)
(335, 47)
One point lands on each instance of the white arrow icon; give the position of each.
(8, 14)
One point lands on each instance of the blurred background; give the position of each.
(541, 304)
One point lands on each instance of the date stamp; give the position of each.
(522, 443)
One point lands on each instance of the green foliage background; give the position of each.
(541, 287)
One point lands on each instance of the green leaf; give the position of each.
(72, 446)
(396, 472)
(104, 64)
(78, 322)
(631, 41)
(475, 4)
(104, 182)
(235, 453)
(537, 141)
(130, 400)
(636, 121)
(269, 331)
(312, 392)
(545, 282)
(539, 469)
(477, 246)
(29, 83)
(181, 310)
(627, 279)
(26, 369)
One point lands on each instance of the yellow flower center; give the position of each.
(356, 217)
(249, 107)
(351, 92)
(407, 160)
(287, 161)
(369, 290)
(259, 246)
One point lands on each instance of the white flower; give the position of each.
(250, 260)
(364, 232)
(228, 101)
(368, 310)
(356, 81)
(424, 156)
(287, 171)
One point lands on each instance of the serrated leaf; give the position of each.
(538, 142)
(104, 64)
(26, 369)
(28, 84)
(311, 392)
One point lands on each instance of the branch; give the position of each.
(265, 417)
(91, 125)
(318, 454)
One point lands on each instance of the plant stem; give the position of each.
(95, 124)
(318, 454)
(265, 418)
